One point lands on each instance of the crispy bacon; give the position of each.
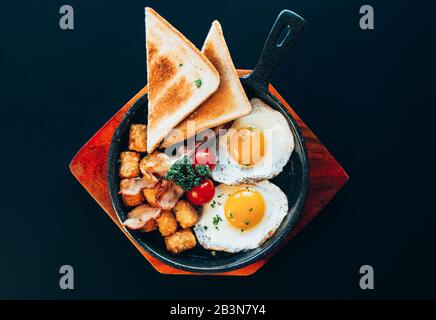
(157, 163)
(168, 194)
(140, 216)
(134, 186)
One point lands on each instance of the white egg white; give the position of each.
(279, 144)
(222, 236)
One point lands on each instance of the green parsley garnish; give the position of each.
(250, 210)
(246, 222)
(183, 174)
(216, 220)
(213, 204)
(231, 215)
(203, 170)
(181, 65)
(198, 83)
(205, 228)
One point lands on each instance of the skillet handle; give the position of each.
(282, 37)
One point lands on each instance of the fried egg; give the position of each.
(255, 148)
(241, 218)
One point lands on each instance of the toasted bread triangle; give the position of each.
(228, 103)
(179, 78)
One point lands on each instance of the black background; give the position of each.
(368, 95)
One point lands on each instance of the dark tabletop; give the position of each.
(368, 95)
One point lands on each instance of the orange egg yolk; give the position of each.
(244, 209)
(247, 146)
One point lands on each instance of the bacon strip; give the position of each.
(140, 216)
(157, 163)
(134, 186)
(168, 194)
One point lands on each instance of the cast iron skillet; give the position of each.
(293, 180)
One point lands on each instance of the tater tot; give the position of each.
(129, 164)
(151, 194)
(138, 137)
(180, 241)
(133, 200)
(186, 214)
(167, 223)
(150, 226)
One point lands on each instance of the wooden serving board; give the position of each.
(89, 166)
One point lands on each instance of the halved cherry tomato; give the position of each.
(202, 193)
(205, 156)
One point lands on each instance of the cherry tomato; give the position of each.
(202, 193)
(205, 156)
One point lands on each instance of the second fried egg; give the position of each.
(241, 218)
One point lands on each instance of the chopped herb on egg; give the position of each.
(220, 195)
(231, 215)
(181, 65)
(213, 204)
(250, 210)
(205, 228)
(246, 222)
(216, 220)
(198, 83)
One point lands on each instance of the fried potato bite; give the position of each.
(138, 137)
(151, 195)
(150, 226)
(167, 223)
(180, 241)
(132, 200)
(129, 164)
(186, 215)
(131, 189)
